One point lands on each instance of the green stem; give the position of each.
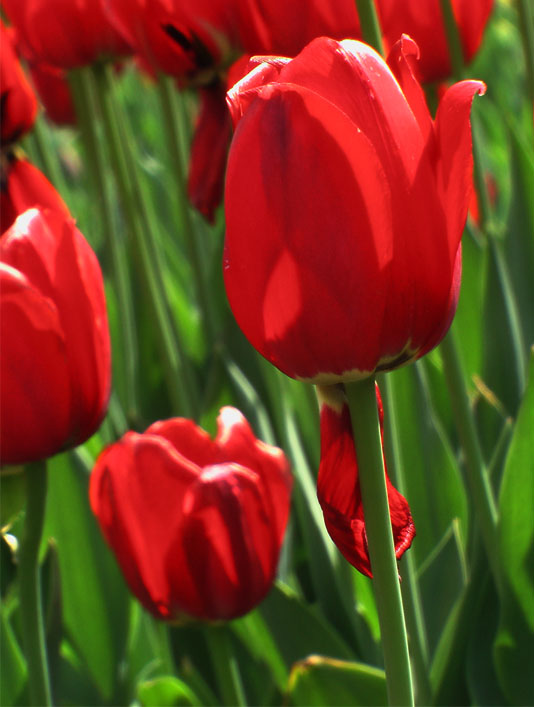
(84, 94)
(526, 26)
(409, 588)
(225, 665)
(167, 94)
(370, 25)
(176, 365)
(366, 432)
(454, 40)
(51, 166)
(477, 477)
(30, 586)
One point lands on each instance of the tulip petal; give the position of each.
(338, 488)
(303, 244)
(35, 397)
(453, 135)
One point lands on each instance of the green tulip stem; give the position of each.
(47, 155)
(31, 612)
(411, 595)
(366, 431)
(176, 366)
(453, 38)
(477, 476)
(168, 98)
(84, 95)
(225, 665)
(370, 25)
(526, 25)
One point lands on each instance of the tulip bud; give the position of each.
(345, 205)
(55, 370)
(196, 524)
(338, 486)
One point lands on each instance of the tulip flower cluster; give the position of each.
(318, 158)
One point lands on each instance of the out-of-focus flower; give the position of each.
(23, 186)
(345, 204)
(18, 104)
(54, 93)
(422, 20)
(55, 370)
(196, 524)
(64, 33)
(338, 486)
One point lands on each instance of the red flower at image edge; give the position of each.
(18, 103)
(338, 487)
(196, 524)
(345, 204)
(55, 371)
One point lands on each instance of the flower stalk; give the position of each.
(366, 431)
(31, 611)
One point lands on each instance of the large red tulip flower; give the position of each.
(345, 205)
(338, 485)
(55, 370)
(196, 523)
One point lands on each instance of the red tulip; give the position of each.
(284, 28)
(18, 102)
(185, 39)
(423, 21)
(338, 486)
(64, 33)
(345, 205)
(196, 524)
(23, 186)
(55, 366)
(52, 85)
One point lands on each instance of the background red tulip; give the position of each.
(196, 524)
(338, 486)
(64, 33)
(18, 102)
(55, 367)
(345, 205)
(422, 20)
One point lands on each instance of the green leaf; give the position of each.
(514, 645)
(298, 629)
(324, 681)
(13, 664)
(94, 597)
(433, 484)
(166, 691)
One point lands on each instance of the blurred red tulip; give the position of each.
(18, 104)
(338, 486)
(196, 524)
(56, 366)
(336, 177)
(64, 33)
(52, 85)
(23, 186)
(422, 20)
(183, 39)
(284, 28)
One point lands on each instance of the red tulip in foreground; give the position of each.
(55, 367)
(345, 205)
(196, 524)
(338, 487)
